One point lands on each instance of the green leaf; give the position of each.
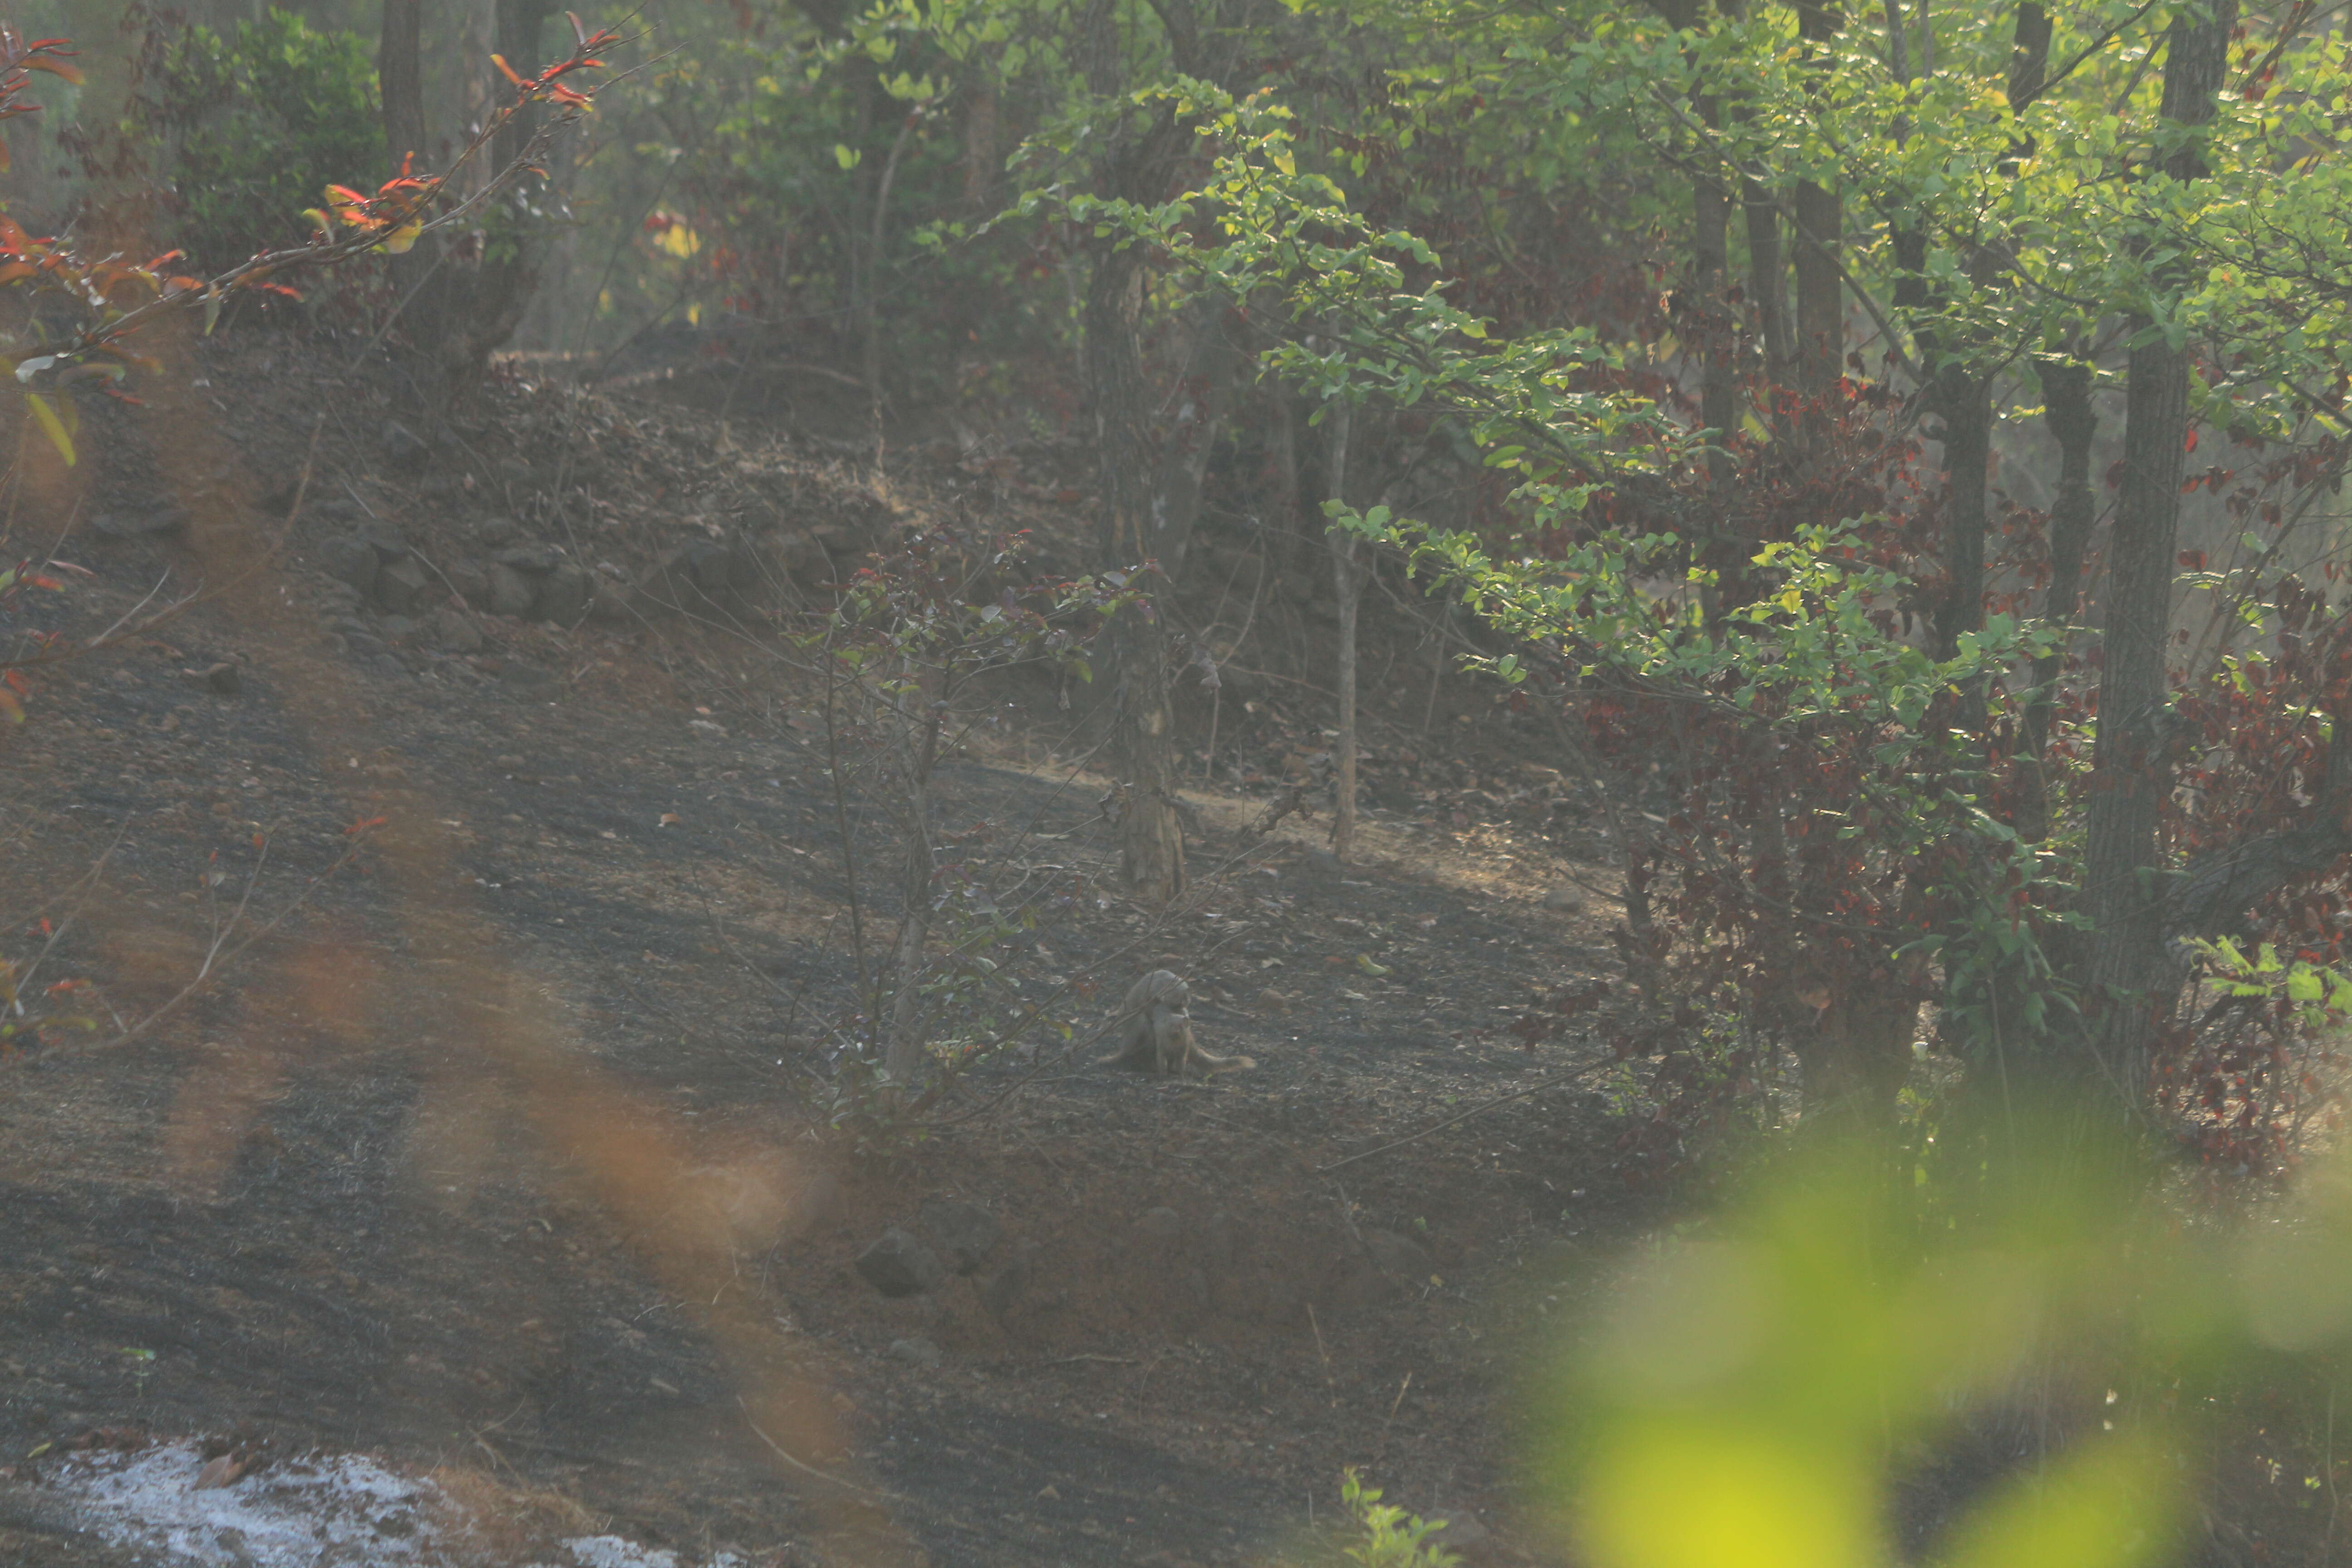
(51, 426)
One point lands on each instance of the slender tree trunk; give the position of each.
(1768, 282)
(1820, 212)
(400, 82)
(2133, 768)
(980, 164)
(1151, 847)
(2068, 411)
(904, 1060)
(1346, 584)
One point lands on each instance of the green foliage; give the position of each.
(1752, 1398)
(258, 126)
(1391, 1537)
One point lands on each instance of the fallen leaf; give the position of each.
(226, 1470)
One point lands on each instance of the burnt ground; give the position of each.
(497, 1142)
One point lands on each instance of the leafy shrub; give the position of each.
(1391, 1537)
(255, 128)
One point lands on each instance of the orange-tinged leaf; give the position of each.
(10, 709)
(344, 196)
(55, 68)
(399, 241)
(38, 581)
(363, 826)
(164, 260)
(506, 69)
(15, 269)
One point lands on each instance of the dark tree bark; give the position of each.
(1151, 486)
(1151, 847)
(400, 81)
(1820, 214)
(1348, 582)
(2123, 892)
(2073, 421)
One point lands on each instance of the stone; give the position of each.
(1272, 1001)
(388, 545)
(405, 445)
(221, 679)
(1004, 1291)
(613, 601)
(471, 580)
(1564, 899)
(392, 628)
(401, 587)
(1461, 1531)
(456, 630)
(511, 593)
(899, 1266)
(1399, 1256)
(965, 1233)
(839, 539)
(1160, 1228)
(529, 557)
(804, 561)
(563, 596)
(149, 519)
(349, 560)
(916, 1352)
(1324, 861)
(527, 680)
(817, 1201)
(493, 531)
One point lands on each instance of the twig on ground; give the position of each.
(1547, 1081)
(787, 1457)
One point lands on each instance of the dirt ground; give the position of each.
(493, 1147)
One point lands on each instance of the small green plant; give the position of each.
(1391, 1537)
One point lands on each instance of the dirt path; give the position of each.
(430, 1177)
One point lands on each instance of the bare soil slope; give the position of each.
(495, 1147)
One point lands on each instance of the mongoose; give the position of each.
(1156, 1031)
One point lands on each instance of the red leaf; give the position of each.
(363, 826)
(2188, 442)
(2194, 560)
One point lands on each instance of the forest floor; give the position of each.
(478, 1206)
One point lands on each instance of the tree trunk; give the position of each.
(981, 165)
(1820, 212)
(1967, 404)
(904, 1060)
(2066, 401)
(2133, 768)
(1767, 282)
(1347, 585)
(1151, 847)
(400, 82)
